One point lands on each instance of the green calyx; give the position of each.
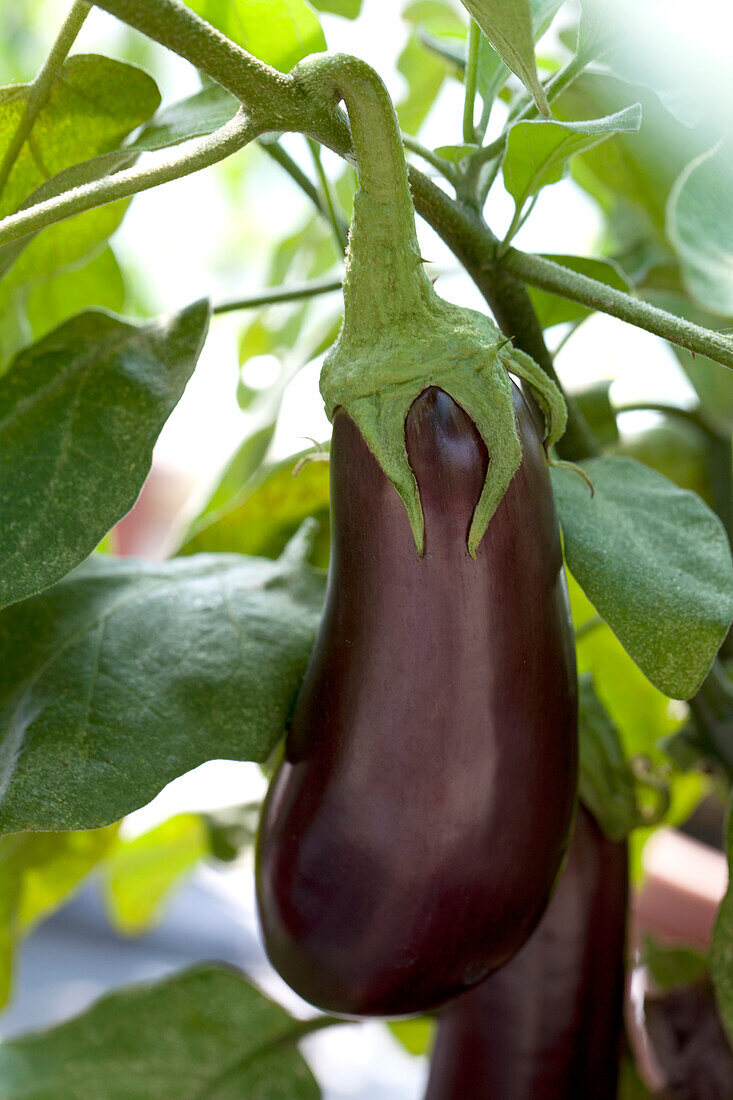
(398, 336)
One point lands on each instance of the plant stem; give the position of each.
(548, 275)
(327, 197)
(281, 294)
(215, 147)
(469, 103)
(42, 86)
(692, 416)
(385, 280)
(441, 165)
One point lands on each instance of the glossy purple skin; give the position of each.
(548, 1026)
(411, 838)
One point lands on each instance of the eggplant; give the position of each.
(414, 830)
(549, 1025)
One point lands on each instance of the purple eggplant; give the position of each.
(549, 1025)
(412, 835)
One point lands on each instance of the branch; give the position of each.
(281, 294)
(42, 86)
(215, 147)
(547, 275)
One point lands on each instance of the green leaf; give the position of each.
(721, 952)
(629, 172)
(195, 116)
(140, 873)
(607, 786)
(96, 284)
(508, 26)
(415, 1035)
(265, 515)
(37, 873)
(656, 564)
(91, 109)
(594, 403)
(349, 9)
(455, 153)
(554, 310)
(280, 32)
(205, 1032)
(128, 673)
(673, 967)
(232, 830)
(700, 228)
(79, 414)
(538, 151)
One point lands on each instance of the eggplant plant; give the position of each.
(479, 644)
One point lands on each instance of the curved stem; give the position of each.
(548, 275)
(327, 197)
(469, 103)
(42, 86)
(222, 143)
(281, 294)
(384, 279)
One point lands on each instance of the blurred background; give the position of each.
(231, 230)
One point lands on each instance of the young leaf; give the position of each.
(262, 518)
(553, 310)
(140, 873)
(415, 1035)
(721, 952)
(607, 786)
(508, 26)
(656, 564)
(79, 414)
(280, 32)
(91, 109)
(128, 674)
(205, 1032)
(699, 227)
(37, 873)
(538, 151)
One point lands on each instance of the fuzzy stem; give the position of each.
(201, 154)
(42, 86)
(548, 275)
(385, 281)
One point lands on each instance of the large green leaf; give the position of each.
(91, 109)
(656, 564)
(140, 873)
(128, 674)
(538, 151)
(280, 32)
(508, 26)
(721, 954)
(79, 414)
(700, 227)
(262, 518)
(205, 1032)
(37, 873)
(554, 310)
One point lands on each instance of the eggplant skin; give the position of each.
(549, 1025)
(412, 835)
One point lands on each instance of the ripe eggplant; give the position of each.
(412, 835)
(548, 1026)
